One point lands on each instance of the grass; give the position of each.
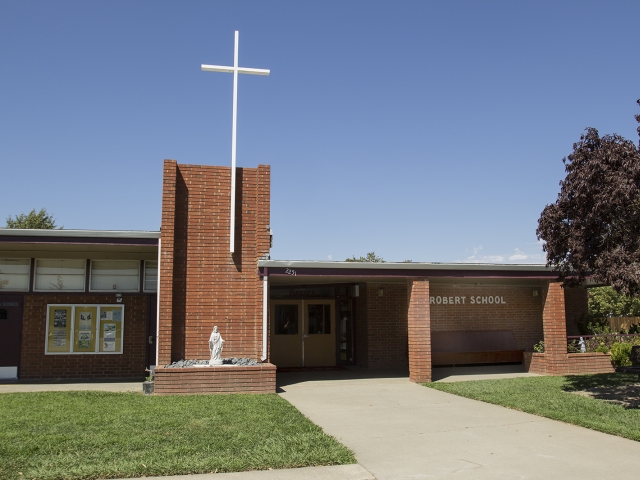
(72, 435)
(549, 397)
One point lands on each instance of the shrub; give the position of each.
(539, 347)
(620, 353)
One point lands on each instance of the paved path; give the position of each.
(400, 430)
(63, 386)
(336, 472)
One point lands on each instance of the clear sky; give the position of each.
(429, 131)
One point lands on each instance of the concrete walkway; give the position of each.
(63, 386)
(400, 430)
(335, 472)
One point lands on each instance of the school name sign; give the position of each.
(474, 300)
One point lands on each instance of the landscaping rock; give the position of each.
(244, 362)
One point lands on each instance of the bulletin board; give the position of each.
(111, 329)
(59, 320)
(84, 329)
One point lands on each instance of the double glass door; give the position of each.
(303, 333)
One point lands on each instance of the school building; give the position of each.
(109, 304)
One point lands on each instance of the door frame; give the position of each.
(152, 329)
(339, 361)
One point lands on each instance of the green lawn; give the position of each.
(549, 397)
(109, 435)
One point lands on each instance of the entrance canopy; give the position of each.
(301, 271)
(415, 315)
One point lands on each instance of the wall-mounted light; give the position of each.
(535, 292)
(119, 297)
(380, 291)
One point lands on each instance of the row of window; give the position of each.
(70, 275)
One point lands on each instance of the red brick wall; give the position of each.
(201, 283)
(206, 380)
(555, 328)
(386, 324)
(522, 313)
(561, 308)
(577, 363)
(165, 268)
(130, 364)
(419, 330)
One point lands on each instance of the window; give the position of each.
(89, 329)
(115, 275)
(14, 274)
(319, 318)
(64, 275)
(151, 276)
(286, 321)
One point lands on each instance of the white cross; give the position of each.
(235, 70)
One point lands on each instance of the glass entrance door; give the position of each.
(286, 333)
(319, 340)
(303, 333)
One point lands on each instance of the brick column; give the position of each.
(554, 325)
(167, 240)
(419, 330)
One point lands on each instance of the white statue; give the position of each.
(215, 347)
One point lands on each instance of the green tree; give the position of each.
(593, 228)
(371, 257)
(33, 219)
(606, 302)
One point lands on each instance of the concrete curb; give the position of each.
(333, 472)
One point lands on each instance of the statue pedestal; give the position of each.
(215, 379)
(215, 362)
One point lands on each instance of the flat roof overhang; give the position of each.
(286, 271)
(95, 244)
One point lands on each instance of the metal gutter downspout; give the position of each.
(265, 298)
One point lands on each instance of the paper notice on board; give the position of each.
(84, 339)
(85, 320)
(60, 318)
(59, 337)
(109, 331)
(108, 315)
(117, 315)
(109, 345)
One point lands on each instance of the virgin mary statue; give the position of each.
(215, 347)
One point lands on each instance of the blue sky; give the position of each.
(430, 131)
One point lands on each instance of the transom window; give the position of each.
(14, 274)
(115, 275)
(151, 276)
(61, 275)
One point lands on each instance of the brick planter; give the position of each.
(218, 379)
(572, 363)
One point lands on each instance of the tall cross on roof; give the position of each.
(235, 70)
